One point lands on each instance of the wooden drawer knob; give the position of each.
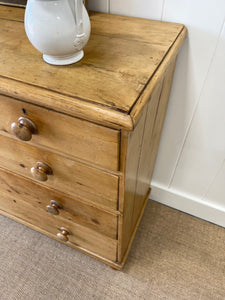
(54, 207)
(23, 129)
(63, 235)
(41, 171)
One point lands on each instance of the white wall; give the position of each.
(190, 168)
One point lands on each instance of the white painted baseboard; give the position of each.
(187, 203)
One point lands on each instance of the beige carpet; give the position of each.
(174, 256)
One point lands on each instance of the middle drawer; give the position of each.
(76, 179)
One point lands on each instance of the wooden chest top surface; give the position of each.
(121, 59)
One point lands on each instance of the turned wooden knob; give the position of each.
(63, 235)
(23, 129)
(41, 171)
(54, 207)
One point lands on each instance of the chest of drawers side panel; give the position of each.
(142, 147)
(130, 154)
(151, 142)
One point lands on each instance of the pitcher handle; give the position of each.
(79, 17)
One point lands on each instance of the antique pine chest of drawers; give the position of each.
(78, 143)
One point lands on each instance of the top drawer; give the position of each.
(78, 138)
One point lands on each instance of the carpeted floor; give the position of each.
(174, 256)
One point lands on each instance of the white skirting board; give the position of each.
(188, 204)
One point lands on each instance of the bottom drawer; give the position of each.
(79, 236)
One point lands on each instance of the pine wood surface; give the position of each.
(73, 210)
(68, 175)
(80, 236)
(121, 58)
(131, 160)
(113, 264)
(142, 147)
(78, 138)
(153, 83)
(98, 123)
(17, 3)
(11, 13)
(124, 252)
(153, 127)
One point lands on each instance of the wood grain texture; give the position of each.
(114, 264)
(17, 3)
(73, 210)
(69, 176)
(63, 104)
(123, 158)
(80, 236)
(133, 151)
(143, 174)
(136, 29)
(122, 259)
(121, 57)
(154, 123)
(99, 176)
(98, 63)
(142, 149)
(11, 13)
(161, 113)
(77, 138)
(153, 83)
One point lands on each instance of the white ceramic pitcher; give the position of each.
(58, 28)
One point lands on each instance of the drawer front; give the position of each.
(80, 237)
(78, 138)
(63, 206)
(70, 177)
